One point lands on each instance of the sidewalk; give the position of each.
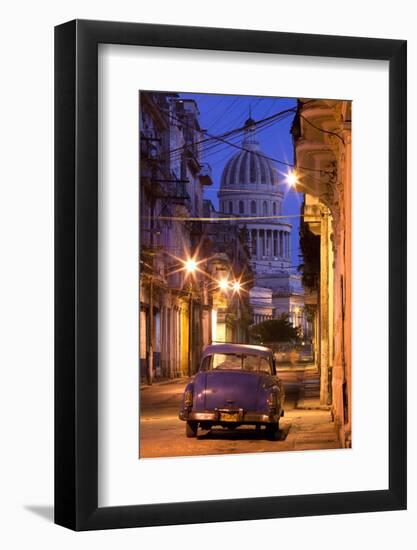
(309, 395)
(298, 367)
(181, 380)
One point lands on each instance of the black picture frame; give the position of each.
(76, 272)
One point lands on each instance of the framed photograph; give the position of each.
(230, 338)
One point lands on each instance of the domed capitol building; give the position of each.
(251, 188)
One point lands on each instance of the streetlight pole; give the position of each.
(190, 266)
(239, 320)
(236, 288)
(190, 328)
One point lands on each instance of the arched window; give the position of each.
(230, 207)
(253, 207)
(241, 207)
(265, 208)
(274, 208)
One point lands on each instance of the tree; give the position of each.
(275, 330)
(310, 249)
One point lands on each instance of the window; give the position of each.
(241, 207)
(237, 361)
(253, 207)
(274, 208)
(230, 207)
(265, 208)
(206, 363)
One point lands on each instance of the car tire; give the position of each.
(272, 432)
(191, 429)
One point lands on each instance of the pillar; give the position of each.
(324, 310)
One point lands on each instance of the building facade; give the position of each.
(181, 311)
(174, 309)
(322, 143)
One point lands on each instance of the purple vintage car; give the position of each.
(236, 384)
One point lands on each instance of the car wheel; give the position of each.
(191, 429)
(272, 432)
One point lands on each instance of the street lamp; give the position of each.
(236, 286)
(292, 178)
(223, 284)
(190, 265)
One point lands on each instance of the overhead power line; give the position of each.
(222, 219)
(225, 134)
(240, 147)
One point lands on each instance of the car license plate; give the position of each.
(229, 417)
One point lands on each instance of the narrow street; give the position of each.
(305, 425)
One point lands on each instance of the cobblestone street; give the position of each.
(305, 425)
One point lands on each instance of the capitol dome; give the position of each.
(249, 166)
(250, 190)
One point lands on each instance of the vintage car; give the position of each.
(236, 384)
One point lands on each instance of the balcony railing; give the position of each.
(176, 192)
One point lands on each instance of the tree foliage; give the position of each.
(275, 330)
(310, 249)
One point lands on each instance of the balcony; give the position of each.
(312, 216)
(205, 174)
(176, 192)
(149, 145)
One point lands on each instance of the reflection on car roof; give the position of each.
(237, 348)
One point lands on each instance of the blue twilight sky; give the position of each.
(221, 113)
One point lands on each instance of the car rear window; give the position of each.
(237, 361)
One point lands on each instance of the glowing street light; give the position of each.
(292, 178)
(190, 265)
(236, 286)
(223, 284)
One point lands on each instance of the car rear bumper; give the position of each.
(221, 416)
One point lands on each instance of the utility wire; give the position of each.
(223, 114)
(226, 134)
(223, 219)
(217, 148)
(217, 141)
(322, 129)
(290, 165)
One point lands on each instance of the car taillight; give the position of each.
(272, 401)
(188, 399)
